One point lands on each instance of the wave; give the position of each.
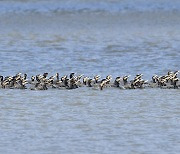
(109, 6)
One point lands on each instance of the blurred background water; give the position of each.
(90, 37)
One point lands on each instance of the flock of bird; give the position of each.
(43, 82)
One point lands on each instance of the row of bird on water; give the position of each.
(43, 82)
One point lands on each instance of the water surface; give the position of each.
(90, 37)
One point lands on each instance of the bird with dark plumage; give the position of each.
(43, 82)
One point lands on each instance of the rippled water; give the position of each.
(90, 37)
(87, 121)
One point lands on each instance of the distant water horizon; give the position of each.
(109, 6)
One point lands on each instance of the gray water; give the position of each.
(90, 37)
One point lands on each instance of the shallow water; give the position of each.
(89, 37)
